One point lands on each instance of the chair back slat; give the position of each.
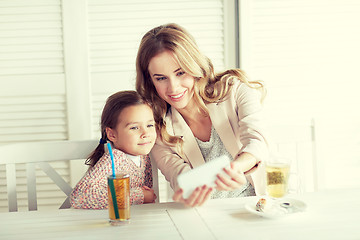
(155, 178)
(31, 186)
(66, 204)
(11, 187)
(57, 179)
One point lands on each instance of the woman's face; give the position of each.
(172, 84)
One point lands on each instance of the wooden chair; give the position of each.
(40, 154)
(297, 141)
(161, 186)
(155, 176)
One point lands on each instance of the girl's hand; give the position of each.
(197, 198)
(149, 195)
(232, 179)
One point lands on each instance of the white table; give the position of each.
(329, 215)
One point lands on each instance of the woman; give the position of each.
(200, 115)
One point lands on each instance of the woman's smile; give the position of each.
(178, 97)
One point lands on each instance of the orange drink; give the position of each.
(119, 198)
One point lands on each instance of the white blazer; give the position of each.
(238, 122)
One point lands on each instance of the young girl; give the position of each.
(127, 121)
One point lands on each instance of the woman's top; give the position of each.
(91, 192)
(215, 148)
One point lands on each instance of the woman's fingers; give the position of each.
(221, 186)
(234, 177)
(191, 201)
(197, 198)
(231, 179)
(205, 195)
(226, 182)
(177, 197)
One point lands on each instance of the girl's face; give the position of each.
(172, 84)
(135, 132)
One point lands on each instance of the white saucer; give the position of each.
(279, 207)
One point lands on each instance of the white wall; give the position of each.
(307, 52)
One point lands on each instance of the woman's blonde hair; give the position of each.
(209, 87)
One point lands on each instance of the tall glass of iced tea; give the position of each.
(277, 176)
(119, 198)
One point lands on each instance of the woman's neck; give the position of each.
(198, 121)
(192, 112)
(194, 116)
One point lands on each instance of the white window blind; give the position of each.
(307, 52)
(61, 59)
(32, 93)
(116, 28)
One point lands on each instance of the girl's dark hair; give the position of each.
(115, 104)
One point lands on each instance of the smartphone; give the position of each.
(202, 175)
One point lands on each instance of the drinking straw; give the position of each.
(112, 159)
(111, 182)
(113, 196)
